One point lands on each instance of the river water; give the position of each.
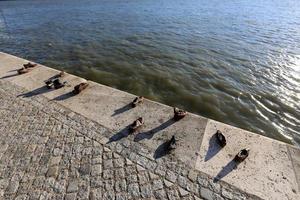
(235, 61)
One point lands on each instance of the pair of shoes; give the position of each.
(81, 86)
(55, 83)
(136, 101)
(240, 156)
(179, 114)
(136, 124)
(29, 65)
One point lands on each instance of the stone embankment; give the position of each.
(56, 145)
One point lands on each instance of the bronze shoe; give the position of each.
(172, 144)
(29, 65)
(23, 71)
(136, 124)
(179, 114)
(242, 155)
(221, 138)
(137, 101)
(78, 88)
(58, 84)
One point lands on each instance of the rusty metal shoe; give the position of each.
(137, 101)
(136, 124)
(29, 65)
(242, 155)
(23, 71)
(172, 144)
(78, 88)
(220, 138)
(179, 114)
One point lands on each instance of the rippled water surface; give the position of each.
(234, 61)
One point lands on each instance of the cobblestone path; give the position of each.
(50, 152)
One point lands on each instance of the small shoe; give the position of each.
(221, 138)
(242, 155)
(172, 143)
(29, 65)
(78, 88)
(61, 74)
(23, 71)
(57, 84)
(179, 114)
(136, 124)
(137, 101)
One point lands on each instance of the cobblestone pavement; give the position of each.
(50, 152)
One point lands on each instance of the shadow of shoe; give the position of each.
(64, 96)
(35, 92)
(119, 135)
(213, 148)
(232, 165)
(9, 76)
(150, 134)
(162, 150)
(14, 70)
(122, 110)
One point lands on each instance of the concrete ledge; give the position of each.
(271, 171)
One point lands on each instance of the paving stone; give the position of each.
(173, 194)
(206, 193)
(96, 170)
(72, 186)
(12, 187)
(157, 184)
(160, 194)
(108, 164)
(119, 173)
(119, 162)
(95, 194)
(132, 178)
(133, 189)
(121, 186)
(192, 175)
(168, 183)
(108, 174)
(183, 192)
(70, 196)
(121, 196)
(143, 178)
(146, 191)
(171, 176)
(128, 162)
(52, 171)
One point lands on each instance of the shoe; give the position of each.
(137, 101)
(179, 114)
(172, 143)
(29, 65)
(23, 71)
(136, 124)
(242, 155)
(57, 84)
(221, 138)
(78, 88)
